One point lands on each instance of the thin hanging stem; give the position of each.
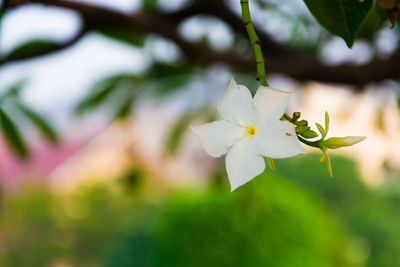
(315, 144)
(255, 42)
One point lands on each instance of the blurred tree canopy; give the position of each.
(292, 39)
(359, 20)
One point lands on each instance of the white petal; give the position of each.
(243, 163)
(218, 136)
(277, 139)
(270, 102)
(237, 105)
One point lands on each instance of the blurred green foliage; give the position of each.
(127, 36)
(118, 87)
(177, 133)
(367, 213)
(286, 218)
(12, 134)
(178, 130)
(257, 226)
(119, 92)
(32, 47)
(13, 110)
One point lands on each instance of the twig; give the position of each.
(255, 42)
(281, 58)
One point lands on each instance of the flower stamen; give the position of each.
(251, 131)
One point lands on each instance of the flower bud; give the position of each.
(302, 123)
(336, 142)
(296, 116)
(301, 129)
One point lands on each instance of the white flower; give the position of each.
(249, 129)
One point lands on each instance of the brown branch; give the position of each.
(97, 17)
(217, 8)
(292, 62)
(280, 58)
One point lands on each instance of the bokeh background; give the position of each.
(98, 167)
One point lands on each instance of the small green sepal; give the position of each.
(309, 134)
(320, 128)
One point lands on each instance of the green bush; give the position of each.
(28, 230)
(269, 222)
(285, 218)
(370, 215)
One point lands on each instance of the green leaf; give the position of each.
(309, 134)
(372, 24)
(168, 86)
(12, 135)
(177, 132)
(340, 17)
(32, 48)
(125, 35)
(2, 12)
(320, 128)
(41, 123)
(125, 108)
(326, 124)
(93, 99)
(169, 78)
(102, 90)
(162, 70)
(15, 89)
(150, 5)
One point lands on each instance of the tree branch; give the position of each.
(281, 58)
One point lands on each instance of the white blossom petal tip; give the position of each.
(237, 104)
(271, 102)
(243, 163)
(275, 90)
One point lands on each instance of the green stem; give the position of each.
(287, 117)
(315, 144)
(301, 139)
(255, 42)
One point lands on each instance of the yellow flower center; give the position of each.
(251, 131)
